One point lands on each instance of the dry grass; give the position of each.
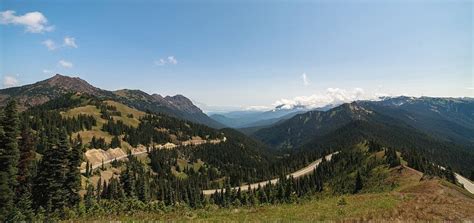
(428, 200)
(88, 134)
(97, 130)
(85, 110)
(125, 110)
(413, 200)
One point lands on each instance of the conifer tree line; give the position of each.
(40, 176)
(420, 163)
(146, 133)
(29, 187)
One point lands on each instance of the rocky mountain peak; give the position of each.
(183, 103)
(73, 84)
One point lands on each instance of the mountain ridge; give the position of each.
(43, 91)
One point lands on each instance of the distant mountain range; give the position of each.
(439, 128)
(450, 119)
(260, 119)
(46, 90)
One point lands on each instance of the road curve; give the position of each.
(111, 160)
(468, 185)
(301, 172)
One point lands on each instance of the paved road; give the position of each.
(308, 169)
(466, 182)
(468, 185)
(111, 160)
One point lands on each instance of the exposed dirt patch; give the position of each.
(424, 199)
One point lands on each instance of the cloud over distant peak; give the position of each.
(34, 22)
(256, 108)
(9, 81)
(330, 96)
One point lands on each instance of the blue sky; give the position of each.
(244, 53)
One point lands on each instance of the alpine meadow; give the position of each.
(236, 111)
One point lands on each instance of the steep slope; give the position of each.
(301, 128)
(395, 135)
(46, 90)
(348, 124)
(99, 122)
(450, 119)
(43, 91)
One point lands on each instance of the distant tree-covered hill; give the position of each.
(438, 129)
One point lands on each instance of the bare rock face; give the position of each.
(182, 103)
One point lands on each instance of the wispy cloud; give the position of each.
(51, 45)
(34, 22)
(470, 88)
(330, 96)
(305, 79)
(164, 61)
(70, 42)
(10, 81)
(256, 108)
(172, 60)
(65, 64)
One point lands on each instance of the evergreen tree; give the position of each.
(391, 157)
(50, 190)
(25, 173)
(115, 143)
(9, 156)
(358, 183)
(450, 175)
(73, 177)
(89, 198)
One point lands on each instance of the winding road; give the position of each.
(468, 185)
(111, 160)
(301, 172)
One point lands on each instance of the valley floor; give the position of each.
(414, 199)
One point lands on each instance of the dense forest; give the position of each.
(40, 177)
(352, 122)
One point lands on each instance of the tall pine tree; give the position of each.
(26, 173)
(73, 176)
(9, 155)
(50, 190)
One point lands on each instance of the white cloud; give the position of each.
(305, 79)
(160, 62)
(65, 64)
(34, 22)
(10, 81)
(330, 96)
(172, 60)
(70, 42)
(256, 108)
(46, 71)
(470, 88)
(51, 45)
(164, 61)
